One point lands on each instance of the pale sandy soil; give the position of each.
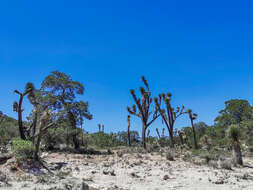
(128, 172)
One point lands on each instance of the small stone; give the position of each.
(166, 177)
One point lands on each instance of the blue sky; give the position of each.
(199, 51)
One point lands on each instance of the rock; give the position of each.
(5, 157)
(109, 171)
(134, 175)
(166, 177)
(219, 182)
(170, 155)
(105, 172)
(87, 187)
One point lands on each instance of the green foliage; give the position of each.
(163, 142)
(22, 149)
(59, 93)
(103, 140)
(8, 129)
(234, 133)
(235, 112)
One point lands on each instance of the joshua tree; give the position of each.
(99, 127)
(143, 105)
(157, 132)
(205, 142)
(17, 107)
(35, 102)
(103, 128)
(192, 117)
(163, 130)
(181, 134)
(234, 135)
(148, 134)
(45, 124)
(169, 115)
(128, 130)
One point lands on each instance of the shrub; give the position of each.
(251, 149)
(23, 150)
(234, 133)
(170, 155)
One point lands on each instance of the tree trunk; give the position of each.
(194, 135)
(5, 157)
(237, 154)
(129, 135)
(171, 139)
(82, 134)
(181, 138)
(144, 136)
(76, 142)
(74, 135)
(158, 134)
(20, 122)
(34, 124)
(37, 146)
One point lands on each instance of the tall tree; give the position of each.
(142, 108)
(33, 97)
(158, 133)
(17, 107)
(192, 117)
(235, 111)
(128, 130)
(60, 92)
(169, 115)
(234, 134)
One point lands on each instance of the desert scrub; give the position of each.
(22, 149)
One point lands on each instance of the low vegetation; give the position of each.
(56, 123)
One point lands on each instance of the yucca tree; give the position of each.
(142, 108)
(148, 134)
(192, 117)
(33, 99)
(158, 133)
(128, 130)
(169, 114)
(17, 107)
(181, 134)
(234, 135)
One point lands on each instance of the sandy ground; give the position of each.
(126, 172)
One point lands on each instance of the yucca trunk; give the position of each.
(144, 136)
(237, 153)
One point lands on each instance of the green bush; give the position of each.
(23, 150)
(251, 149)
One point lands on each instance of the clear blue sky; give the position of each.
(201, 52)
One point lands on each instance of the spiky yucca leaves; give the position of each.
(234, 134)
(142, 108)
(169, 114)
(193, 116)
(15, 106)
